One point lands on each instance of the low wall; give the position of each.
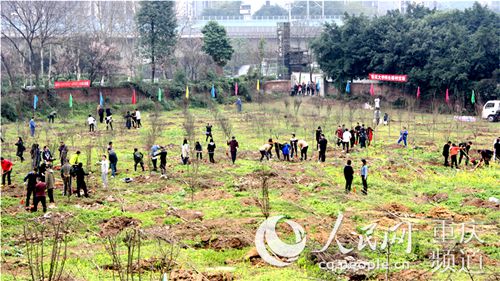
(277, 86)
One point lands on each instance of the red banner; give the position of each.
(388, 77)
(72, 84)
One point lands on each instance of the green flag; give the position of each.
(159, 94)
(473, 97)
(70, 101)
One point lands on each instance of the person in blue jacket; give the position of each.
(286, 151)
(32, 126)
(403, 136)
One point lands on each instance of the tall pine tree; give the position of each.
(156, 24)
(216, 44)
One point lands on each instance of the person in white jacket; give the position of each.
(138, 118)
(185, 152)
(346, 138)
(104, 171)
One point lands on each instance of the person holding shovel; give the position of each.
(464, 152)
(265, 150)
(30, 181)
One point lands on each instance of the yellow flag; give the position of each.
(187, 92)
(258, 85)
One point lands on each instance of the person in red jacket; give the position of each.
(40, 195)
(339, 133)
(6, 170)
(453, 153)
(370, 135)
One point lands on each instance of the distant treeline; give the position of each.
(458, 50)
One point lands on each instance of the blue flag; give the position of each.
(348, 87)
(213, 91)
(101, 100)
(35, 101)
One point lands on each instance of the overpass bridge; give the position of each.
(260, 27)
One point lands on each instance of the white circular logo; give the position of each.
(266, 234)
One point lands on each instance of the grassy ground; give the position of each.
(210, 212)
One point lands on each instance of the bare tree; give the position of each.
(37, 24)
(46, 263)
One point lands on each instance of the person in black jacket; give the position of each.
(30, 181)
(138, 159)
(293, 143)
(80, 180)
(211, 150)
(20, 149)
(446, 153)
(496, 148)
(348, 175)
(319, 132)
(208, 132)
(199, 150)
(113, 160)
(322, 148)
(464, 152)
(163, 162)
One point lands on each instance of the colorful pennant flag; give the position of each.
(212, 92)
(236, 89)
(473, 97)
(70, 101)
(134, 98)
(101, 99)
(187, 92)
(258, 85)
(418, 92)
(35, 101)
(447, 97)
(160, 94)
(348, 87)
(372, 90)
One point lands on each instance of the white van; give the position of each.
(490, 109)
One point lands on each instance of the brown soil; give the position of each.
(115, 225)
(221, 243)
(189, 275)
(480, 203)
(211, 194)
(219, 233)
(143, 207)
(434, 198)
(186, 215)
(169, 189)
(408, 275)
(440, 212)
(250, 201)
(394, 208)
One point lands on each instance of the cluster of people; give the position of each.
(285, 150)
(356, 135)
(40, 180)
(304, 89)
(108, 119)
(454, 154)
(132, 119)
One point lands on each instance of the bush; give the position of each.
(146, 105)
(8, 111)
